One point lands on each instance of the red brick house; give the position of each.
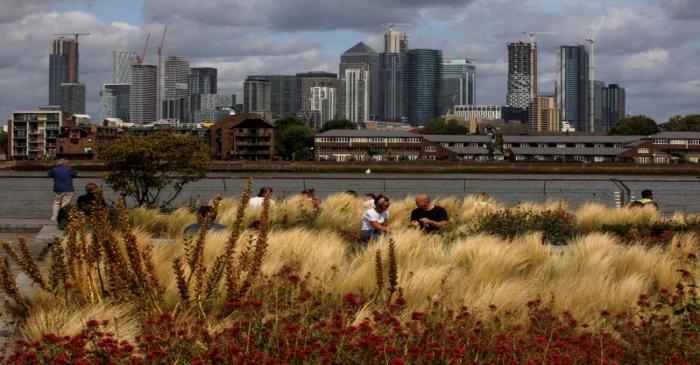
(245, 137)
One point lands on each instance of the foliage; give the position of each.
(441, 126)
(679, 123)
(557, 225)
(660, 233)
(284, 123)
(296, 143)
(144, 167)
(338, 124)
(3, 141)
(635, 125)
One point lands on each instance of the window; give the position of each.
(694, 141)
(599, 159)
(694, 159)
(644, 160)
(429, 148)
(660, 141)
(580, 145)
(617, 145)
(412, 158)
(542, 145)
(642, 150)
(561, 145)
(599, 145)
(679, 141)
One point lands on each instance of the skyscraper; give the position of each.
(323, 101)
(572, 86)
(176, 89)
(545, 115)
(362, 57)
(614, 105)
(357, 94)
(308, 80)
(63, 67)
(522, 74)
(283, 95)
(114, 101)
(142, 98)
(121, 66)
(257, 95)
(395, 42)
(214, 107)
(203, 80)
(422, 85)
(391, 69)
(73, 98)
(458, 83)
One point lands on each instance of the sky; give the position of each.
(650, 47)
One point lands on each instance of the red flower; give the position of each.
(351, 299)
(397, 361)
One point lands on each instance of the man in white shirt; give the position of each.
(257, 202)
(375, 220)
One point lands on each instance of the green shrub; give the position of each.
(558, 226)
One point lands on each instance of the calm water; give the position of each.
(31, 197)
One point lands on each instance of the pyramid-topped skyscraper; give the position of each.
(359, 67)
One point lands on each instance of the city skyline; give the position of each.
(644, 46)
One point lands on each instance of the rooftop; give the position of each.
(366, 133)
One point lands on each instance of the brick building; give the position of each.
(665, 148)
(242, 137)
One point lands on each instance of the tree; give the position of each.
(635, 125)
(3, 141)
(689, 123)
(338, 124)
(284, 123)
(143, 167)
(440, 126)
(296, 143)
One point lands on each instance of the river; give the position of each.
(30, 196)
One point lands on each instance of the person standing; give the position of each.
(375, 220)
(647, 199)
(62, 175)
(428, 216)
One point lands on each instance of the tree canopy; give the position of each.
(296, 143)
(635, 125)
(284, 123)
(441, 126)
(338, 124)
(3, 141)
(688, 123)
(144, 167)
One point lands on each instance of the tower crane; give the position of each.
(391, 25)
(76, 35)
(159, 51)
(142, 56)
(533, 34)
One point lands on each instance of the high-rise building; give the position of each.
(422, 85)
(257, 95)
(283, 95)
(357, 94)
(458, 84)
(214, 107)
(391, 79)
(545, 115)
(323, 100)
(614, 105)
(32, 134)
(63, 67)
(522, 74)
(142, 96)
(395, 42)
(598, 87)
(203, 80)
(73, 98)
(176, 89)
(572, 86)
(362, 57)
(121, 66)
(307, 81)
(114, 101)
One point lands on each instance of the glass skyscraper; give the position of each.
(63, 67)
(361, 57)
(572, 86)
(614, 105)
(142, 96)
(203, 80)
(458, 84)
(114, 101)
(176, 88)
(422, 85)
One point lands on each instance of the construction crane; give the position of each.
(76, 35)
(592, 34)
(142, 56)
(159, 51)
(533, 34)
(392, 25)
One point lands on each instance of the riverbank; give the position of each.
(436, 167)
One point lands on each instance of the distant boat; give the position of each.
(368, 171)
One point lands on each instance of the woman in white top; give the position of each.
(375, 220)
(257, 201)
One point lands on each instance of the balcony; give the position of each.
(252, 152)
(253, 143)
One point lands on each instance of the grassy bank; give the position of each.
(300, 289)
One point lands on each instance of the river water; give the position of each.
(28, 194)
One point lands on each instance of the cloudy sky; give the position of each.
(651, 47)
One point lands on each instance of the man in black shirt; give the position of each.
(428, 216)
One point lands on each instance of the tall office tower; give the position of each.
(214, 107)
(395, 42)
(203, 80)
(63, 66)
(114, 101)
(283, 91)
(545, 115)
(307, 81)
(522, 74)
(357, 94)
(598, 87)
(142, 97)
(362, 57)
(458, 84)
(257, 95)
(121, 66)
(572, 86)
(422, 85)
(73, 98)
(614, 105)
(176, 89)
(323, 100)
